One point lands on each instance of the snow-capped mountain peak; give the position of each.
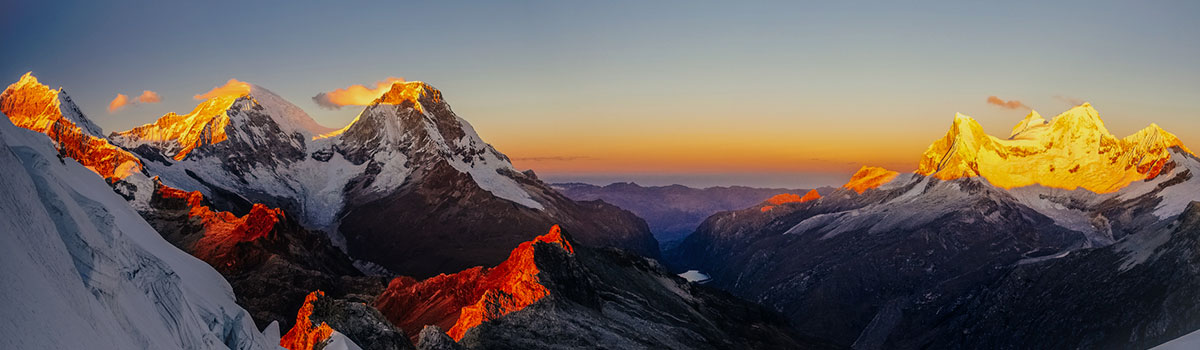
(411, 123)
(1074, 150)
(46, 106)
(252, 111)
(34, 106)
(1032, 124)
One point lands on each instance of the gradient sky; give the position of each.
(700, 93)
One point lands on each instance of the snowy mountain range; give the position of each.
(927, 259)
(404, 230)
(407, 157)
(246, 184)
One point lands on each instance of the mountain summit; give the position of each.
(1074, 150)
(967, 253)
(250, 110)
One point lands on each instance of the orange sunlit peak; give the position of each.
(869, 177)
(784, 198)
(410, 92)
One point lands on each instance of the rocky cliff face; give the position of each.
(270, 259)
(1136, 293)
(322, 320)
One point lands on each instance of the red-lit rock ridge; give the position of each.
(784, 198)
(222, 231)
(32, 105)
(271, 261)
(305, 335)
(463, 300)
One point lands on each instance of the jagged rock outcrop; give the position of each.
(322, 316)
(552, 293)
(270, 259)
(433, 337)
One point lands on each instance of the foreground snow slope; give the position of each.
(80, 269)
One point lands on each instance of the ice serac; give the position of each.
(1074, 150)
(869, 177)
(32, 105)
(80, 269)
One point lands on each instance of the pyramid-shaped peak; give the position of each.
(410, 92)
(27, 79)
(1032, 121)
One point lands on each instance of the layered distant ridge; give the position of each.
(1074, 150)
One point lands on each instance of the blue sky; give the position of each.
(655, 92)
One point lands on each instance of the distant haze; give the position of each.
(776, 180)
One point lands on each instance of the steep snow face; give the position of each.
(210, 123)
(1188, 342)
(1074, 150)
(34, 106)
(411, 123)
(80, 269)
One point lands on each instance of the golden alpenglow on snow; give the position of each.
(1071, 151)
